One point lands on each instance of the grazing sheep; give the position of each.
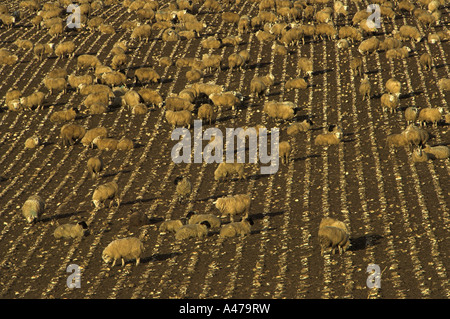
(297, 127)
(125, 248)
(194, 75)
(393, 86)
(279, 110)
(236, 60)
(326, 30)
(334, 237)
(407, 32)
(183, 188)
(194, 218)
(243, 24)
(419, 156)
(390, 43)
(125, 144)
(415, 135)
(370, 46)
(279, 49)
(105, 143)
(350, 33)
(70, 133)
(94, 166)
(32, 142)
(411, 114)
(151, 97)
(389, 102)
(342, 44)
(36, 99)
(114, 78)
(284, 151)
(176, 103)
(179, 118)
(226, 99)
(42, 49)
(233, 205)
(206, 112)
(356, 65)
(444, 84)
(224, 169)
(426, 61)
(206, 88)
(65, 48)
(211, 42)
(87, 61)
(91, 134)
(7, 19)
(170, 226)
(70, 230)
(33, 208)
(143, 75)
(293, 84)
(329, 138)
(140, 32)
(55, 84)
(257, 87)
(230, 17)
(234, 229)
(23, 44)
(437, 152)
(328, 221)
(106, 191)
(398, 53)
(192, 231)
(212, 61)
(57, 73)
(106, 29)
(118, 60)
(131, 98)
(64, 115)
(430, 114)
(7, 58)
(305, 65)
(398, 140)
(139, 109)
(166, 61)
(76, 81)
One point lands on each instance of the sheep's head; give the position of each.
(106, 258)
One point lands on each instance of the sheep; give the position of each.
(230, 17)
(131, 98)
(14, 105)
(76, 81)
(279, 110)
(114, 78)
(243, 24)
(94, 166)
(151, 97)
(140, 32)
(179, 118)
(393, 86)
(236, 60)
(350, 33)
(100, 98)
(398, 140)
(437, 152)
(224, 169)
(444, 84)
(297, 83)
(329, 138)
(176, 103)
(426, 61)
(32, 142)
(356, 65)
(427, 19)
(415, 135)
(142, 75)
(139, 109)
(226, 99)
(106, 29)
(257, 87)
(411, 114)
(390, 43)
(194, 75)
(183, 188)
(212, 61)
(429, 114)
(408, 32)
(70, 230)
(166, 61)
(118, 60)
(284, 151)
(328, 221)
(389, 102)
(303, 126)
(55, 84)
(370, 45)
(87, 61)
(206, 88)
(305, 65)
(279, 49)
(170, 226)
(405, 5)
(211, 42)
(206, 112)
(233, 205)
(12, 94)
(325, 29)
(33, 208)
(56, 29)
(267, 79)
(194, 218)
(7, 20)
(23, 44)
(106, 191)
(399, 53)
(342, 44)
(58, 73)
(105, 143)
(36, 99)
(70, 133)
(125, 248)
(7, 58)
(359, 17)
(65, 48)
(63, 115)
(40, 50)
(234, 229)
(264, 36)
(192, 231)
(194, 26)
(334, 237)
(125, 144)
(419, 156)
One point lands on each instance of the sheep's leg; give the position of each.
(114, 262)
(123, 262)
(137, 261)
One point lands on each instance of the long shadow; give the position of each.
(136, 201)
(303, 158)
(258, 216)
(411, 94)
(159, 257)
(59, 216)
(362, 242)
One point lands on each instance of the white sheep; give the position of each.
(426, 61)
(125, 248)
(334, 237)
(393, 86)
(226, 99)
(194, 218)
(356, 65)
(125, 144)
(192, 231)
(234, 229)
(70, 230)
(411, 113)
(63, 115)
(94, 166)
(179, 118)
(36, 99)
(32, 142)
(151, 97)
(415, 135)
(176, 103)
(224, 169)
(233, 205)
(42, 49)
(329, 138)
(76, 81)
(430, 114)
(370, 45)
(55, 84)
(106, 191)
(92, 133)
(140, 32)
(206, 112)
(71, 133)
(389, 102)
(105, 143)
(279, 110)
(144, 75)
(170, 225)
(65, 48)
(297, 83)
(33, 208)
(87, 61)
(419, 156)
(183, 188)
(297, 127)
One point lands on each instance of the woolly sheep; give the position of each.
(212, 61)
(415, 135)
(430, 114)
(334, 237)
(175, 103)
(151, 97)
(206, 112)
(411, 114)
(139, 109)
(140, 32)
(328, 221)
(279, 49)
(233, 205)
(408, 32)
(71, 133)
(36, 99)
(70, 230)
(7, 58)
(194, 218)
(206, 88)
(329, 138)
(419, 156)
(125, 144)
(284, 151)
(143, 75)
(194, 75)
(224, 169)
(399, 53)
(236, 60)
(297, 83)
(257, 87)
(63, 115)
(389, 102)
(131, 98)
(94, 166)
(370, 45)
(100, 98)
(243, 24)
(106, 191)
(32, 142)
(393, 86)
(118, 60)
(305, 65)
(23, 44)
(33, 208)
(342, 44)
(192, 231)
(226, 99)
(398, 140)
(230, 17)
(326, 30)
(7, 20)
(92, 133)
(211, 42)
(42, 49)
(65, 48)
(279, 110)
(179, 118)
(444, 84)
(125, 248)
(87, 61)
(390, 43)
(55, 84)
(105, 143)
(234, 229)
(183, 188)
(356, 65)
(437, 152)
(114, 78)
(296, 127)
(426, 61)
(76, 81)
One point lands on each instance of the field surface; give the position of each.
(397, 210)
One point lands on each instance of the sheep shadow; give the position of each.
(439, 66)
(137, 201)
(319, 72)
(115, 173)
(259, 216)
(411, 94)
(159, 257)
(214, 197)
(365, 241)
(60, 216)
(303, 158)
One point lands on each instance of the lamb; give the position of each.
(437, 152)
(71, 230)
(370, 45)
(334, 237)
(140, 32)
(297, 83)
(36, 99)
(356, 65)
(305, 65)
(106, 191)
(279, 110)
(125, 248)
(429, 114)
(411, 114)
(146, 75)
(125, 144)
(76, 81)
(194, 218)
(393, 86)
(233, 205)
(226, 99)
(426, 61)
(7, 58)
(389, 102)
(87, 61)
(284, 151)
(303, 126)
(183, 188)
(234, 229)
(329, 138)
(33, 208)
(179, 118)
(419, 156)
(224, 169)
(32, 142)
(399, 53)
(70, 133)
(192, 231)
(444, 84)
(63, 115)
(40, 50)
(91, 134)
(65, 48)
(206, 112)
(94, 166)
(151, 97)
(105, 143)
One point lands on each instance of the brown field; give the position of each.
(397, 211)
